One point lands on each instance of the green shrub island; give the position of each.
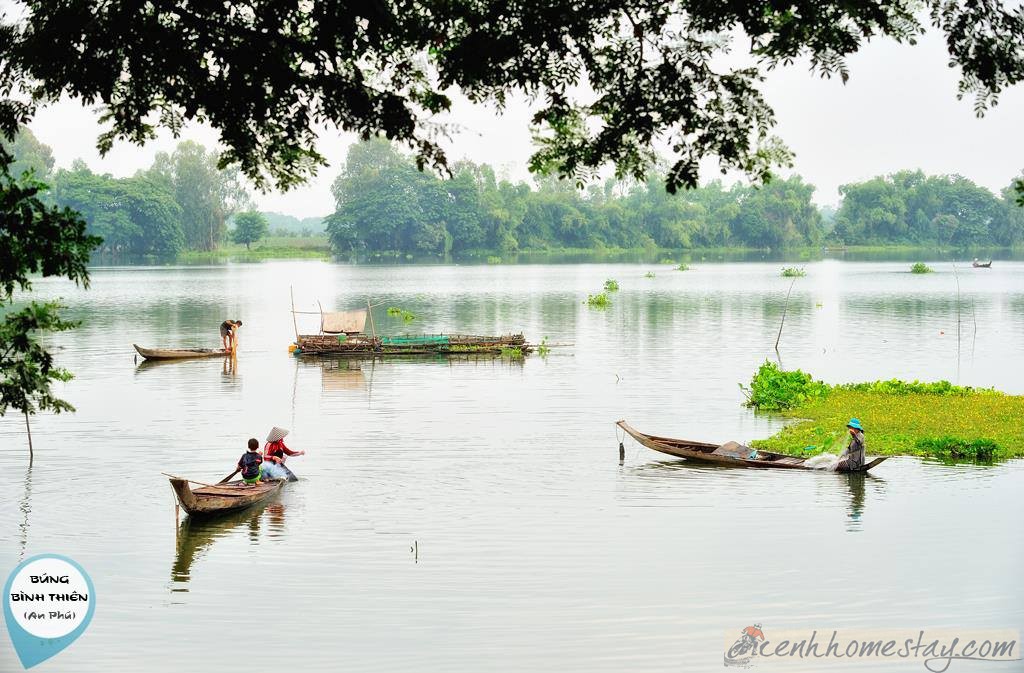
(921, 267)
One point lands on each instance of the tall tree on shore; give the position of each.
(29, 154)
(207, 194)
(250, 227)
(135, 215)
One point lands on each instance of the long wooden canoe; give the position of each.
(219, 498)
(179, 353)
(725, 454)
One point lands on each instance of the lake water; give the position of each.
(472, 515)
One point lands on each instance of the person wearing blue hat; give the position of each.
(852, 457)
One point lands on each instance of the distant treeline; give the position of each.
(182, 202)
(384, 204)
(289, 225)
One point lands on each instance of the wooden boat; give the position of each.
(179, 353)
(219, 498)
(982, 265)
(724, 454)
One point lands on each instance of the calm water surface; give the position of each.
(473, 515)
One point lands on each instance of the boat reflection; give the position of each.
(856, 483)
(708, 478)
(195, 536)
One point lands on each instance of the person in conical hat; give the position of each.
(275, 451)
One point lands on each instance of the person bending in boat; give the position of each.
(275, 451)
(229, 334)
(852, 457)
(251, 463)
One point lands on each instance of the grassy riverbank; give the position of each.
(900, 418)
(273, 247)
(319, 247)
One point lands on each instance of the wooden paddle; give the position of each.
(228, 478)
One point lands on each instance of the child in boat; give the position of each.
(229, 334)
(251, 463)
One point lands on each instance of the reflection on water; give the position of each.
(25, 505)
(195, 536)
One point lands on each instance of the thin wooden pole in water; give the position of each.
(784, 310)
(295, 323)
(956, 277)
(369, 314)
(28, 428)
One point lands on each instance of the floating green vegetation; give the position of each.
(470, 348)
(793, 272)
(683, 267)
(511, 352)
(649, 274)
(598, 300)
(611, 285)
(406, 316)
(921, 267)
(937, 419)
(543, 349)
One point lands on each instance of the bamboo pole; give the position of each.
(295, 322)
(369, 314)
(191, 481)
(785, 309)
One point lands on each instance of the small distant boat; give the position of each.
(982, 265)
(212, 499)
(725, 454)
(179, 353)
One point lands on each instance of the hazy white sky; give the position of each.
(899, 110)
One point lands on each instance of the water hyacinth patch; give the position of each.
(935, 419)
(921, 267)
(611, 285)
(598, 300)
(793, 272)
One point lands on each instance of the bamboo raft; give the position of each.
(417, 344)
(725, 454)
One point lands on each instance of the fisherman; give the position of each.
(229, 334)
(852, 457)
(251, 463)
(275, 451)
